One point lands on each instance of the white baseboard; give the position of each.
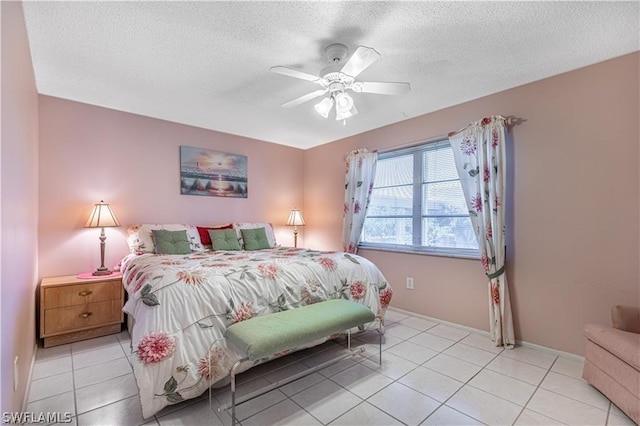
(27, 388)
(486, 333)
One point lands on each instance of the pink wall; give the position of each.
(18, 205)
(88, 153)
(574, 235)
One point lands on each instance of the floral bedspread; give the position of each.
(182, 304)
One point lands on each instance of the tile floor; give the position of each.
(432, 374)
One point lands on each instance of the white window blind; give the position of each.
(417, 204)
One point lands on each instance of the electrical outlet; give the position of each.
(15, 374)
(410, 283)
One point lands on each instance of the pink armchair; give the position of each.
(612, 359)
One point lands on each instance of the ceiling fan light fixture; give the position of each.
(343, 115)
(344, 102)
(337, 79)
(324, 107)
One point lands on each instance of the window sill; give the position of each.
(458, 254)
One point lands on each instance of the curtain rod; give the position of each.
(510, 121)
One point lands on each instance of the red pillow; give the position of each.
(204, 232)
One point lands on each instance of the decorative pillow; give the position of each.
(204, 232)
(224, 239)
(171, 242)
(268, 228)
(140, 241)
(255, 239)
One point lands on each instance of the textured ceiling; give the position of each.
(207, 64)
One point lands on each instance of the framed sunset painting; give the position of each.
(212, 173)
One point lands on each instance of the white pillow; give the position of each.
(140, 240)
(268, 228)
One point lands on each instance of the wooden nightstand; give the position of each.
(72, 309)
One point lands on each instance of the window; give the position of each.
(417, 204)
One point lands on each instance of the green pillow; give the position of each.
(255, 239)
(171, 242)
(224, 239)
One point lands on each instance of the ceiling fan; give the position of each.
(337, 79)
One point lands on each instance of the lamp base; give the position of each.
(101, 271)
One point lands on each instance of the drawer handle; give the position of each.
(85, 314)
(85, 293)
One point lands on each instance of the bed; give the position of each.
(180, 304)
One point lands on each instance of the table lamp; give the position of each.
(295, 220)
(102, 217)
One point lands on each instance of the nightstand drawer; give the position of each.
(81, 294)
(70, 318)
(73, 309)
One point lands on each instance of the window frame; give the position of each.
(417, 151)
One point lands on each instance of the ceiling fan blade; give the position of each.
(382, 88)
(304, 98)
(360, 61)
(296, 74)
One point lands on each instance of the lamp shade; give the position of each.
(102, 217)
(343, 115)
(323, 107)
(344, 102)
(295, 218)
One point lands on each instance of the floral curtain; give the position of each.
(479, 152)
(361, 170)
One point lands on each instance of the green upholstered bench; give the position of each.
(263, 336)
(260, 337)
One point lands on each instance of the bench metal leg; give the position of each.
(380, 334)
(232, 373)
(237, 401)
